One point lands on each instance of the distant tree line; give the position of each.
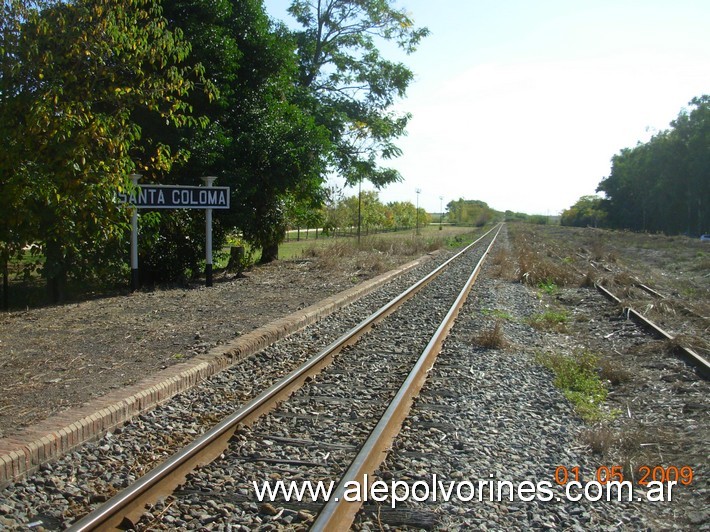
(94, 90)
(478, 213)
(340, 215)
(470, 212)
(662, 185)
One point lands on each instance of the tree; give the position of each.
(692, 132)
(404, 214)
(351, 87)
(587, 212)
(83, 75)
(473, 212)
(662, 185)
(259, 141)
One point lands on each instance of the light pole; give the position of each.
(441, 210)
(418, 191)
(359, 209)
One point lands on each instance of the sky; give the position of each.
(523, 103)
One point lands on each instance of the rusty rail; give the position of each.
(690, 356)
(126, 507)
(339, 513)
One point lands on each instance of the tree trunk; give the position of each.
(269, 253)
(55, 272)
(5, 282)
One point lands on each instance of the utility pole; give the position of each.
(359, 209)
(441, 210)
(418, 191)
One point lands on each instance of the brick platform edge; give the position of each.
(23, 453)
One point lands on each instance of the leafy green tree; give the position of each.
(372, 211)
(259, 141)
(12, 220)
(692, 134)
(470, 212)
(510, 216)
(587, 211)
(84, 74)
(403, 213)
(303, 213)
(663, 184)
(351, 87)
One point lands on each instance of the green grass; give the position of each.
(497, 314)
(548, 286)
(578, 378)
(550, 320)
(430, 238)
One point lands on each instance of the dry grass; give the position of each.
(406, 245)
(658, 309)
(697, 343)
(535, 268)
(372, 263)
(590, 279)
(492, 337)
(600, 439)
(630, 445)
(503, 265)
(374, 255)
(612, 371)
(623, 279)
(702, 264)
(538, 264)
(596, 248)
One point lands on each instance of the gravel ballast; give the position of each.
(485, 414)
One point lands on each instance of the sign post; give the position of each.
(174, 197)
(135, 282)
(209, 180)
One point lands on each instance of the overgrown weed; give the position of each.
(577, 377)
(492, 337)
(550, 320)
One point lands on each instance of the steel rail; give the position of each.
(127, 506)
(339, 512)
(687, 354)
(648, 289)
(658, 295)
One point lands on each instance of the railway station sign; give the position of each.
(177, 197)
(207, 198)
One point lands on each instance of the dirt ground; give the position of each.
(58, 357)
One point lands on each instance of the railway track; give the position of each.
(475, 419)
(692, 357)
(430, 313)
(625, 290)
(488, 416)
(634, 291)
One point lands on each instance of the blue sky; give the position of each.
(522, 104)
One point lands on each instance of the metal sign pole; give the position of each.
(208, 236)
(135, 280)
